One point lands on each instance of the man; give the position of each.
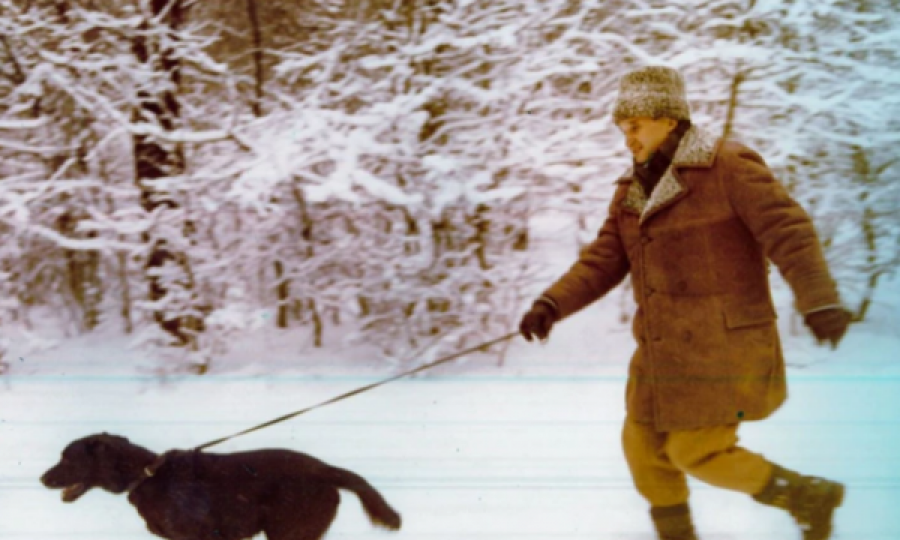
(694, 223)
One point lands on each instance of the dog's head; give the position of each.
(95, 461)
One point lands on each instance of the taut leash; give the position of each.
(366, 388)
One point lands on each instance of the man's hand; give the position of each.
(538, 321)
(829, 325)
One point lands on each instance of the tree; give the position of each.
(377, 165)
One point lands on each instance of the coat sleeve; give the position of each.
(601, 266)
(781, 226)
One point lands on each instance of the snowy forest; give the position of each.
(174, 169)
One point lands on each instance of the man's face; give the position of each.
(644, 135)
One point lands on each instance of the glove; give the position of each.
(829, 325)
(538, 321)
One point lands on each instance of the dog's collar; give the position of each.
(147, 472)
(151, 469)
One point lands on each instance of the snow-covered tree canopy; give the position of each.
(376, 164)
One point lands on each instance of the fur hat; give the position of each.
(654, 92)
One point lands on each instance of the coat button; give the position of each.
(682, 286)
(687, 335)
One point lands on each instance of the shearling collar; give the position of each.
(697, 149)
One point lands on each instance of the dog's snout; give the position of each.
(51, 478)
(46, 478)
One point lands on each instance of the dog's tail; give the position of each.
(379, 511)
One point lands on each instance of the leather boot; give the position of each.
(809, 499)
(673, 522)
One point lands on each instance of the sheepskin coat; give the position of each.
(708, 351)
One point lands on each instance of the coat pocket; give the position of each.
(741, 312)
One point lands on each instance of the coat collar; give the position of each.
(697, 149)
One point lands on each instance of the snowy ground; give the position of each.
(472, 451)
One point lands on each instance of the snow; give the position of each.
(182, 136)
(470, 450)
(529, 449)
(22, 123)
(383, 190)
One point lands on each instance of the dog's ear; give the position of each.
(109, 438)
(92, 446)
(99, 444)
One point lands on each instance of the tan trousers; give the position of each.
(659, 462)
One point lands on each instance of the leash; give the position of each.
(362, 389)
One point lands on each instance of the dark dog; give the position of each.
(191, 495)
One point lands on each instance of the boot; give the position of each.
(809, 499)
(673, 522)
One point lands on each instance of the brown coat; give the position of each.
(708, 350)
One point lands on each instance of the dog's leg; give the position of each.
(304, 513)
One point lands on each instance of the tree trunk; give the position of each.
(122, 259)
(156, 159)
(732, 102)
(283, 286)
(306, 232)
(82, 266)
